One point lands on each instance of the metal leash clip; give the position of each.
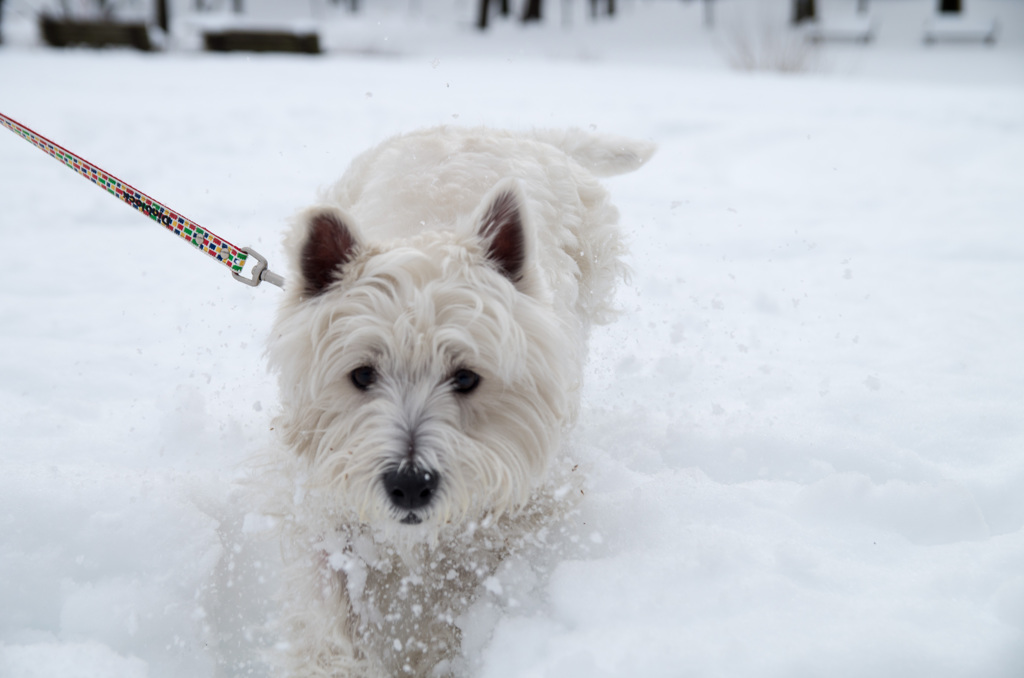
(260, 272)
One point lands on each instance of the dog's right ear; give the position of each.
(326, 244)
(500, 224)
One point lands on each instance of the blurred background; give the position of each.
(842, 36)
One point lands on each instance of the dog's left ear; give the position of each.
(500, 225)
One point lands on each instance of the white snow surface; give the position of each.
(804, 438)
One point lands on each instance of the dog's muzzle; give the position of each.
(410, 488)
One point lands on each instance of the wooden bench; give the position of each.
(261, 40)
(58, 32)
(860, 28)
(956, 28)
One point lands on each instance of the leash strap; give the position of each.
(220, 249)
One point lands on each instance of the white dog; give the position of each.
(429, 353)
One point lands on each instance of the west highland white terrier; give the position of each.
(429, 351)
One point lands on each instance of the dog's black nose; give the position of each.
(410, 487)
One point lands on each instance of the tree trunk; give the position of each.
(803, 10)
(484, 13)
(481, 17)
(161, 16)
(609, 5)
(532, 11)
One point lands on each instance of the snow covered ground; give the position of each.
(804, 437)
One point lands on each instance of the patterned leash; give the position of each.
(220, 249)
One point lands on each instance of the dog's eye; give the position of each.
(464, 381)
(363, 377)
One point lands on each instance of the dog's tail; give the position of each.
(605, 155)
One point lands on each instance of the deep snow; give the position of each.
(804, 437)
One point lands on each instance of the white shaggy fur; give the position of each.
(429, 353)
